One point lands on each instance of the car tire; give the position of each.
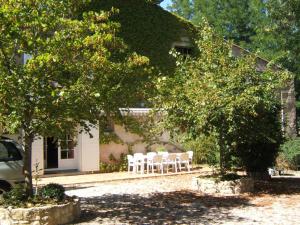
(4, 187)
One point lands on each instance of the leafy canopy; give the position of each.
(236, 20)
(221, 94)
(285, 26)
(77, 67)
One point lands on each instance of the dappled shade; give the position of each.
(182, 207)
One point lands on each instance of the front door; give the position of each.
(51, 153)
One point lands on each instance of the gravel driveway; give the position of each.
(169, 200)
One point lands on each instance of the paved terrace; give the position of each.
(74, 179)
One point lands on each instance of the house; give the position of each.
(150, 31)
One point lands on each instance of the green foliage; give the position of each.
(49, 194)
(290, 152)
(236, 20)
(108, 137)
(52, 191)
(115, 165)
(219, 93)
(133, 125)
(78, 69)
(257, 157)
(17, 196)
(148, 29)
(205, 148)
(161, 149)
(285, 26)
(285, 16)
(270, 27)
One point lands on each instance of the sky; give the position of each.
(165, 3)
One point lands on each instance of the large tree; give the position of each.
(269, 27)
(245, 22)
(237, 20)
(285, 16)
(76, 69)
(217, 93)
(284, 27)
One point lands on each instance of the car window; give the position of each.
(9, 152)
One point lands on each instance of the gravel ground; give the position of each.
(169, 200)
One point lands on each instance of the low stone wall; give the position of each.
(50, 215)
(213, 186)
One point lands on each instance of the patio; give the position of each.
(77, 179)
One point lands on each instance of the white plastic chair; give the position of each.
(184, 159)
(171, 160)
(157, 162)
(139, 159)
(131, 163)
(150, 156)
(191, 154)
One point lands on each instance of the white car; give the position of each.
(11, 164)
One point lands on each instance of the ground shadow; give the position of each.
(278, 185)
(182, 207)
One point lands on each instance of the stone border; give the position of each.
(50, 215)
(212, 186)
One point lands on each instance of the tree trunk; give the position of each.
(261, 175)
(222, 154)
(222, 161)
(27, 163)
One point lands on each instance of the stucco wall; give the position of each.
(135, 143)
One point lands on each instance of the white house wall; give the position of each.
(89, 151)
(38, 154)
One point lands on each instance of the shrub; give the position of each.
(257, 157)
(114, 165)
(52, 191)
(205, 150)
(289, 153)
(16, 197)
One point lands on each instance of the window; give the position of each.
(67, 148)
(9, 152)
(183, 50)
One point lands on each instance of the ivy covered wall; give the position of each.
(148, 29)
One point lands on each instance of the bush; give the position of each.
(205, 150)
(52, 191)
(289, 153)
(16, 197)
(257, 157)
(114, 165)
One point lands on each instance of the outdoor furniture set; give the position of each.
(160, 161)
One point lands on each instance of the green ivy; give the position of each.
(148, 29)
(106, 137)
(114, 165)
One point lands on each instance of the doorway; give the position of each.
(51, 153)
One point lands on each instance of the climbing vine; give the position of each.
(148, 29)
